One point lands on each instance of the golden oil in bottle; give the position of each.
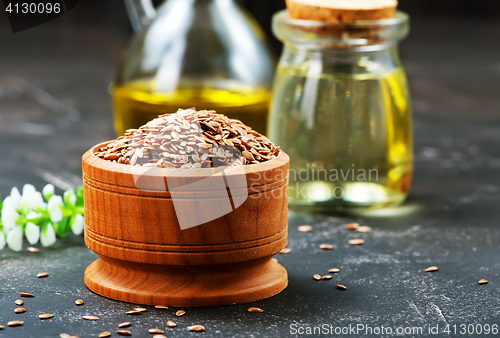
(348, 134)
(136, 103)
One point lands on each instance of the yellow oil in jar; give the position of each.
(348, 134)
(137, 103)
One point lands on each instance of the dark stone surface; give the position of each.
(54, 105)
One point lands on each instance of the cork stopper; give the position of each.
(341, 11)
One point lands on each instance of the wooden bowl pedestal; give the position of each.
(146, 258)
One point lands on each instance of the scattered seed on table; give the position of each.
(79, 302)
(90, 317)
(104, 334)
(317, 277)
(255, 309)
(364, 229)
(161, 307)
(333, 270)
(432, 269)
(42, 274)
(285, 250)
(134, 312)
(482, 281)
(171, 324)
(32, 249)
(356, 241)
(19, 302)
(180, 313)
(341, 287)
(142, 309)
(25, 294)
(46, 316)
(159, 336)
(124, 332)
(196, 328)
(351, 226)
(2, 327)
(326, 246)
(15, 323)
(156, 331)
(19, 310)
(327, 277)
(125, 324)
(305, 228)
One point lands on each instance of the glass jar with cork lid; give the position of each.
(341, 109)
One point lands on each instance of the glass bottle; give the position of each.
(341, 110)
(207, 54)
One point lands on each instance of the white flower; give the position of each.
(77, 224)
(70, 197)
(48, 191)
(32, 232)
(48, 235)
(31, 199)
(54, 207)
(2, 240)
(9, 212)
(15, 238)
(15, 195)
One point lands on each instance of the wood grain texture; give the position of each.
(138, 236)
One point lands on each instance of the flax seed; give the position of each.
(33, 250)
(185, 140)
(142, 309)
(180, 313)
(64, 335)
(90, 317)
(19, 302)
(159, 336)
(20, 310)
(196, 328)
(255, 309)
(364, 229)
(161, 307)
(285, 250)
(356, 241)
(171, 324)
(155, 331)
(482, 281)
(24, 294)
(317, 277)
(432, 269)
(305, 228)
(333, 270)
(15, 323)
(134, 312)
(341, 287)
(42, 274)
(124, 332)
(326, 246)
(79, 302)
(351, 226)
(327, 277)
(125, 324)
(105, 334)
(46, 316)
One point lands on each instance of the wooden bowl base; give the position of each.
(186, 285)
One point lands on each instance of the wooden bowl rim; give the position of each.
(279, 162)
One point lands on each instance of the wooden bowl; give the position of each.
(133, 221)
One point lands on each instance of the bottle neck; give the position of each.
(336, 61)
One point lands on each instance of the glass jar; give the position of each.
(206, 54)
(341, 110)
